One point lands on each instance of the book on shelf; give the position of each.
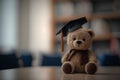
(101, 28)
(83, 8)
(102, 6)
(64, 9)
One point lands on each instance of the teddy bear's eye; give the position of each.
(84, 39)
(74, 38)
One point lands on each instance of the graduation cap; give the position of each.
(70, 27)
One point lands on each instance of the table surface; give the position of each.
(55, 73)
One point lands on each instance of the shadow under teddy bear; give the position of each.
(77, 77)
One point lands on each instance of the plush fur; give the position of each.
(79, 58)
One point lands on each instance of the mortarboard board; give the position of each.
(70, 27)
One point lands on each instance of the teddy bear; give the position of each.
(79, 58)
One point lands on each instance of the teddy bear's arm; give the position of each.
(64, 58)
(92, 57)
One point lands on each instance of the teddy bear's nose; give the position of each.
(79, 42)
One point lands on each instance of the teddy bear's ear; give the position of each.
(92, 34)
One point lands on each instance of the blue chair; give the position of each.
(50, 60)
(26, 59)
(109, 59)
(8, 61)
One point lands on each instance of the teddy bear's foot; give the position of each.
(67, 68)
(91, 68)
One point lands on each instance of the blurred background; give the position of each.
(28, 30)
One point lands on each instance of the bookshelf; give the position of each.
(106, 10)
(90, 17)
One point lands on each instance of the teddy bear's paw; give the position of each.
(91, 68)
(67, 68)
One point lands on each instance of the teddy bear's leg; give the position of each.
(91, 68)
(68, 67)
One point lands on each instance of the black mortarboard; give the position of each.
(70, 27)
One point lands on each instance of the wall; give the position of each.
(8, 23)
(40, 25)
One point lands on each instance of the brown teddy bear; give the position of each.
(79, 58)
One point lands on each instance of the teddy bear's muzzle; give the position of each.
(78, 42)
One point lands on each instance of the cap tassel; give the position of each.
(62, 42)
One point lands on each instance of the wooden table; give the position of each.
(55, 73)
